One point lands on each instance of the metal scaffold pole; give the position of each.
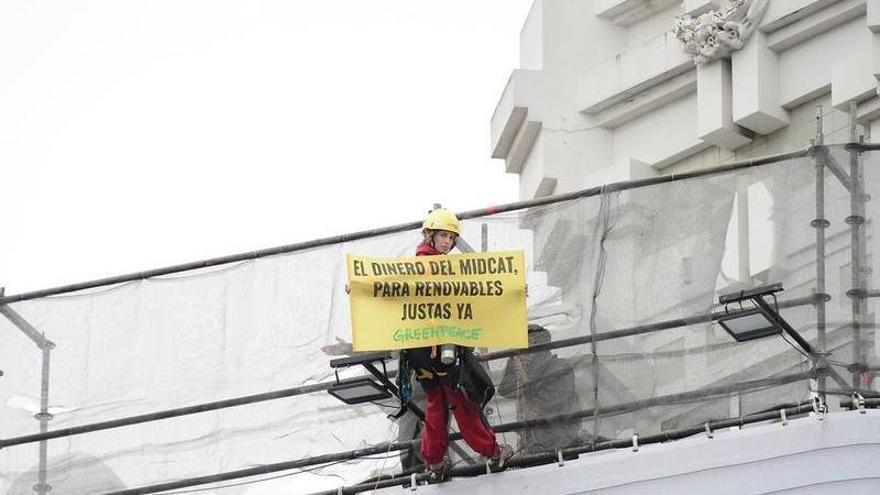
(820, 223)
(856, 221)
(43, 487)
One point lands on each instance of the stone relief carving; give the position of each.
(718, 33)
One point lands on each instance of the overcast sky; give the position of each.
(136, 134)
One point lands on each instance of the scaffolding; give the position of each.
(217, 370)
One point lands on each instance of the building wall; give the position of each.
(611, 95)
(615, 98)
(798, 134)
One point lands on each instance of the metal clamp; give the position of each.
(709, 431)
(635, 442)
(783, 416)
(854, 220)
(820, 408)
(560, 461)
(44, 416)
(858, 402)
(412, 482)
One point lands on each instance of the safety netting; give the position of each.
(625, 280)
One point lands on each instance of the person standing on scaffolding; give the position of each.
(438, 369)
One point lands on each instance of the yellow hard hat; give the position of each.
(442, 219)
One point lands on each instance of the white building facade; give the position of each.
(617, 90)
(606, 90)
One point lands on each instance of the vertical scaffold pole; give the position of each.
(856, 222)
(45, 346)
(43, 487)
(820, 223)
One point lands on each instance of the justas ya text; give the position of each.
(436, 311)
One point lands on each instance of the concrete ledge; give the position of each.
(522, 146)
(808, 26)
(511, 128)
(609, 9)
(756, 104)
(694, 8)
(762, 122)
(781, 13)
(546, 187)
(694, 148)
(647, 101)
(807, 96)
(868, 111)
(632, 72)
(523, 90)
(714, 107)
(628, 12)
(874, 16)
(875, 55)
(727, 137)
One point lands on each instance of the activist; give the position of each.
(454, 382)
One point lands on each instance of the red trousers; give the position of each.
(473, 425)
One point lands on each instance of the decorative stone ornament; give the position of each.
(718, 33)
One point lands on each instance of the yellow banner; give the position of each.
(474, 300)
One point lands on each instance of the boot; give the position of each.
(498, 462)
(436, 472)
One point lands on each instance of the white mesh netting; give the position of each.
(623, 259)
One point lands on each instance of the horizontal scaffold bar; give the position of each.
(402, 479)
(471, 470)
(171, 413)
(636, 330)
(321, 387)
(290, 248)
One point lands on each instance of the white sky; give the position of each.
(138, 134)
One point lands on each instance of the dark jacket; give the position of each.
(429, 370)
